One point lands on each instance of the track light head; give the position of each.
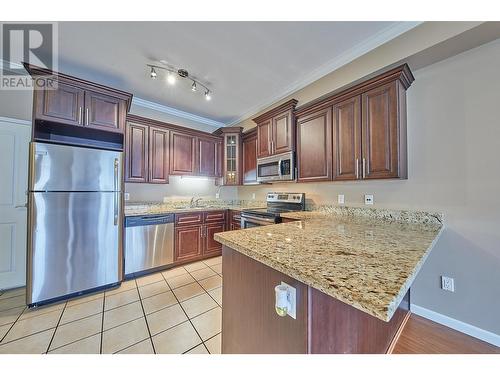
(153, 73)
(207, 95)
(171, 78)
(193, 87)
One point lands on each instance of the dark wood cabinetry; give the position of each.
(249, 159)
(234, 222)
(209, 157)
(182, 154)
(276, 130)
(136, 153)
(79, 102)
(358, 133)
(232, 154)
(105, 112)
(146, 154)
(194, 234)
(347, 139)
(158, 155)
(314, 146)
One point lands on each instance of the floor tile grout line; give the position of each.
(135, 343)
(144, 315)
(57, 326)
(190, 322)
(15, 321)
(24, 337)
(206, 291)
(72, 342)
(102, 320)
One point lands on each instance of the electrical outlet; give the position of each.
(368, 199)
(341, 199)
(217, 195)
(253, 195)
(447, 283)
(126, 196)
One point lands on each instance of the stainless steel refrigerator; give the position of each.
(75, 221)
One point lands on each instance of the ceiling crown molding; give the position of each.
(360, 49)
(176, 112)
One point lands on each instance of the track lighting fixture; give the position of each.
(171, 77)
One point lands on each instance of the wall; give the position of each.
(453, 133)
(179, 188)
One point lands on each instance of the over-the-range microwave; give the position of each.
(276, 168)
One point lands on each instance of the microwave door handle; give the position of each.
(279, 168)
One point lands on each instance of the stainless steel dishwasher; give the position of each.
(149, 243)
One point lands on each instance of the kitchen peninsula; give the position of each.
(352, 269)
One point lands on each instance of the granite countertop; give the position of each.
(363, 257)
(177, 207)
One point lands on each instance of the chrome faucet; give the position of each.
(194, 202)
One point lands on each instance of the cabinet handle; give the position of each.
(80, 113)
(357, 168)
(364, 169)
(87, 116)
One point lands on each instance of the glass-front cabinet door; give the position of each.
(232, 146)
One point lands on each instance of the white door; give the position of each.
(14, 143)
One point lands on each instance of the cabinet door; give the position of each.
(208, 158)
(250, 160)
(188, 242)
(347, 139)
(104, 112)
(264, 134)
(380, 132)
(158, 155)
(235, 226)
(63, 105)
(283, 134)
(136, 153)
(314, 146)
(211, 246)
(182, 154)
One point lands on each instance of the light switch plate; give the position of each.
(447, 283)
(368, 198)
(292, 294)
(341, 199)
(217, 195)
(126, 196)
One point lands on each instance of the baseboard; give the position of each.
(457, 325)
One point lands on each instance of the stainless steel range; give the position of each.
(277, 203)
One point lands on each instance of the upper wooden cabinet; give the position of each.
(232, 154)
(276, 130)
(182, 154)
(63, 105)
(314, 146)
(146, 154)
(209, 157)
(250, 157)
(79, 102)
(366, 127)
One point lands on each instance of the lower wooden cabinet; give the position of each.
(188, 243)
(210, 245)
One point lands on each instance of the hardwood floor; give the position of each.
(422, 336)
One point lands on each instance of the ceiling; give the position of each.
(248, 65)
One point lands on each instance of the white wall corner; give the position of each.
(457, 325)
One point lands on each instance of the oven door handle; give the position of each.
(256, 220)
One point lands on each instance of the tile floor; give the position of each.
(175, 311)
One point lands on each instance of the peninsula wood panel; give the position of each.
(63, 105)
(283, 133)
(250, 159)
(337, 328)
(314, 146)
(381, 132)
(249, 320)
(104, 112)
(264, 136)
(136, 153)
(158, 155)
(347, 139)
(182, 154)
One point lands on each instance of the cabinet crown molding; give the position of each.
(34, 70)
(401, 73)
(288, 105)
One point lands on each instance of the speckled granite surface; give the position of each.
(366, 259)
(179, 206)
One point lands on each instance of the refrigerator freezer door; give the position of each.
(70, 168)
(73, 244)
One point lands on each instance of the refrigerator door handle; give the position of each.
(116, 182)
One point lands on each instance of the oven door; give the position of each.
(250, 221)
